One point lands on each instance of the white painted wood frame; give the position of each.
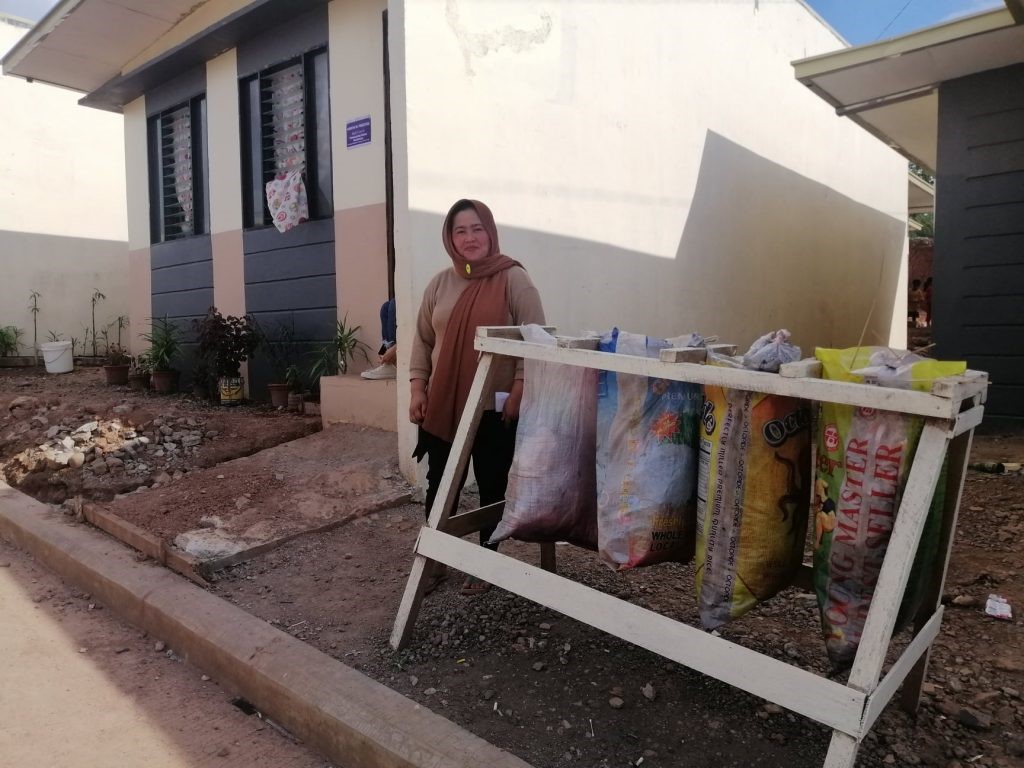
(952, 409)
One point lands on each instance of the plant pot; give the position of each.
(279, 395)
(138, 381)
(116, 374)
(165, 382)
(232, 390)
(295, 402)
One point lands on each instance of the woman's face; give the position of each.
(469, 237)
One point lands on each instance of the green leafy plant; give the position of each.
(324, 363)
(226, 341)
(204, 379)
(34, 309)
(346, 344)
(141, 363)
(284, 354)
(335, 356)
(164, 343)
(10, 340)
(293, 378)
(105, 335)
(116, 355)
(121, 322)
(97, 297)
(54, 336)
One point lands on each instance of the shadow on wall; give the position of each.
(761, 247)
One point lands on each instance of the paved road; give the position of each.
(81, 689)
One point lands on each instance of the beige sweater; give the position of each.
(438, 301)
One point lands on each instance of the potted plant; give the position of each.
(10, 340)
(334, 357)
(293, 380)
(164, 347)
(139, 372)
(204, 379)
(283, 353)
(226, 342)
(116, 365)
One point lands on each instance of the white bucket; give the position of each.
(57, 356)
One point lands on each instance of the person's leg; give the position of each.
(437, 456)
(493, 451)
(385, 369)
(436, 451)
(383, 328)
(389, 323)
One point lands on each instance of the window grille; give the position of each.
(285, 113)
(283, 120)
(178, 201)
(177, 171)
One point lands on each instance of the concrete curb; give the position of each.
(352, 719)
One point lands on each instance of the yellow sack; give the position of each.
(752, 499)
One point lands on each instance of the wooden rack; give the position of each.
(951, 411)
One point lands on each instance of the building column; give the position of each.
(140, 277)
(225, 164)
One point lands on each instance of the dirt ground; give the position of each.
(75, 671)
(134, 438)
(539, 684)
(324, 479)
(542, 685)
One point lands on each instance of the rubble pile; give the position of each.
(110, 447)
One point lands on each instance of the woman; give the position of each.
(483, 287)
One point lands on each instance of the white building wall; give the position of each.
(653, 165)
(63, 228)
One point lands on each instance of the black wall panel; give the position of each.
(979, 239)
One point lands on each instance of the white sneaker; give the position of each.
(385, 371)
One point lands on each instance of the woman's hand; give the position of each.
(515, 397)
(418, 401)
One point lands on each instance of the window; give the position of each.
(286, 126)
(177, 172)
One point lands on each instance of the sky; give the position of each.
(865, 21)
(859, 21)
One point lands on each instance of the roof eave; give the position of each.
(36, 35)
(847, 58)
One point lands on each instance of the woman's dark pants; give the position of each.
(493, 449)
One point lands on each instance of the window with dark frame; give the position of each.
(177, 171)
(286, 126)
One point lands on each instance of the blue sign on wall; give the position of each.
(357, 132)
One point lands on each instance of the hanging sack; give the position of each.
(647, 461)
(752, 489)
(864, 457)
(552, 494)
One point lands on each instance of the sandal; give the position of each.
(474, 586)
(437, 578)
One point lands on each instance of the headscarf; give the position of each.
(483, 302)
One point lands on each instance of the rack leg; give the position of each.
(447, 493)
(547, 557)
(842, 751)
(959, 457)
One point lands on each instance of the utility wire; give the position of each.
(894, 18)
